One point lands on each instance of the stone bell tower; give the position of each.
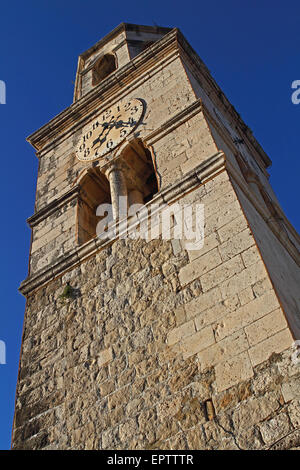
(145, 343)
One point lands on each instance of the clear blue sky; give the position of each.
(251, 48)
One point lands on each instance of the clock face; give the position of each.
(109, 129)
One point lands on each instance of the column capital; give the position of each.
(116, 164)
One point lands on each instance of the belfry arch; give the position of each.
(93, 190)
(104, 66)
(131, 174)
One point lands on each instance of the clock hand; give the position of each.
(128, 123)
(105, 125)
(115, 120)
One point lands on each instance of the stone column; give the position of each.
(118, 188)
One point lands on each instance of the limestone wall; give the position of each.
(160, 348)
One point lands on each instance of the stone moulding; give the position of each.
(175, 121)
(170, 194)
(228, 140)
(170, 46)
(153, 137)
(98, 97)
(192, 180)
(53, 206)
(112, 93)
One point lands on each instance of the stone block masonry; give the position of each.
(149, 353)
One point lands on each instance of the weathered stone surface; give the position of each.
(273, 344)
(223, 350)
(200, 340)
(275, 428)
(233, 371)
(291, 389)
(266, 326)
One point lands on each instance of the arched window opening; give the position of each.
(130, 174)
(103, 67)
(140, 175)
(94, 190)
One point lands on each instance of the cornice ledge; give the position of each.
(192, 180)
(61, 265)
(53, 206)
(175, 121)
(122, 27)
(195, 178)
(79, 108)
